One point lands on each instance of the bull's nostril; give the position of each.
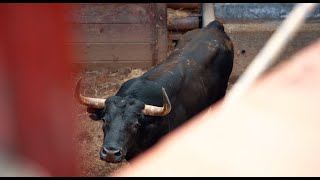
(111, 152)
(117, 153)
(104, 151)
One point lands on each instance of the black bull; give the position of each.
(194, 76)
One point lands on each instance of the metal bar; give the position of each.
(207, 13)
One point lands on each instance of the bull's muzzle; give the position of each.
(111, 154)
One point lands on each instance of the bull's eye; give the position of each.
(136, 125)
(106, 123)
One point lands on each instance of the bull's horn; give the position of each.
(159, 111)
(97, 103)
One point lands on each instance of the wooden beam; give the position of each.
(184, 5)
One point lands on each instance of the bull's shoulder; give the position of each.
(127, 86)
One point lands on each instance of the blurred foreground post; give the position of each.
(37, 86)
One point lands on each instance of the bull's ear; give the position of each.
(96, 114)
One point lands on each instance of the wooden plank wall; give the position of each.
(119, 34)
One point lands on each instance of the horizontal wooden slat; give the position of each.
(184, 23)
(112, 51)
(98, 65)
(122, 13)
(184, 5)
(174, 35)
(137, 33)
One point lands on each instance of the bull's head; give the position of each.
(122, 118)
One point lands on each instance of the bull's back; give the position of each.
(207, 62)
(194, 76)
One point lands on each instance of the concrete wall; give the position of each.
(257, 12)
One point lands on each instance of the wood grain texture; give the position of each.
(112, 33)
(121, 13)
(112, 51)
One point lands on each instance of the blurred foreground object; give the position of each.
(273, 130)
(14, 167)
(35, 118)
